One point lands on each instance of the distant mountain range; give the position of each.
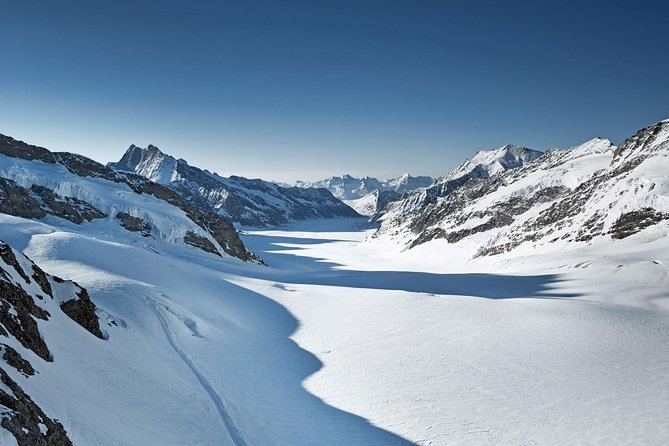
(249, 202)
(346, 187)
(368, 195)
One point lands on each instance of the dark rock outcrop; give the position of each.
(134, 224)
(17, 315)
(19, 149)
(38, 202)
(14, 358)
(18, 201)
(82, 311)
(21, 305)
(22, 417)
(632, 222)
(72, 209)
(200, 242)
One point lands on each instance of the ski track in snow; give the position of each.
(235, 435)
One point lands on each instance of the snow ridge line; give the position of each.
(233, 432)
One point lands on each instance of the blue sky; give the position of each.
(308, 89)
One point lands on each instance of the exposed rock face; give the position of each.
(14, 358)
(82, 311)
(250, 202)
(134, 224)
(17, 317)
(25, 291)
(38, 201)
(18, 149)
(22, 417)
(16, 200)
(635, 221)
(200, 242)
(219, 227)
(591, 190)
(72, 209)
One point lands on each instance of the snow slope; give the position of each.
(193, 357)
(359, 342)
(530, 349)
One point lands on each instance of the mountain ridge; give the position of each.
(35, 183)
(584, 192)
(248, 202)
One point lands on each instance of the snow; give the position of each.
(489, 162)
(168, 222)
(350, 189)
(365, 205)
(346, 341)
(350, 339)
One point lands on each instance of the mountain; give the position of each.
(484, 164)
(592, 191)
(38, 184)
(40, 316)
(249, 202)
(368, 195)
(489, 162)
(347, 187)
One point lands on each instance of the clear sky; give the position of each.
(307, 89)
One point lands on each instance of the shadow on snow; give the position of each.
(284, 251)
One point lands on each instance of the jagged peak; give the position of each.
(153, 150)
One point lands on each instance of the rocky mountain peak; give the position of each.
(250, 202)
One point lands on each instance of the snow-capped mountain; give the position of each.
(249, 202)
(594, 190)
(346, 187)
(40, 315)
(39, 184)
(484, 164)
(368, 195)
(489, 162)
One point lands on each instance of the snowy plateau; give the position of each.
(522, 298)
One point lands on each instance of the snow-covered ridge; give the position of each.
(249, 202)
(482, 165)
(594, 190)
(369, 195)
(489, 162)
(36, 183)
(346, 187)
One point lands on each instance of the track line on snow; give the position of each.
(233, 432)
